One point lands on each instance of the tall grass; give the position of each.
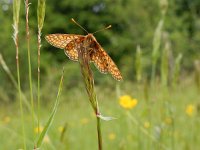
(51, 117)
(14, 82)
(156, 47)
(16, 11)
(177, 68)
(89, 86)
(165, 65)
(157, 39)
(29, 58)
(40, 17)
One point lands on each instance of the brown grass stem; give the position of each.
(89, 85)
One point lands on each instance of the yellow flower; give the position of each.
(168, 120)
(127, 102)
(60, 129)
(38, 129)
(111, 136)
(6, 119)
(147, 124)
(84, 120)
(190, 109)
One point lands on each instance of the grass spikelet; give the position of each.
(138, 64)
(40, 17)
(41, 13)
(156, 46)
(16, 11)
(165, 62)
(177, 68)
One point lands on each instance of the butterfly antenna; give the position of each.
(102, 29)
(79, 25)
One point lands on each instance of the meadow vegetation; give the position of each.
(154, 43)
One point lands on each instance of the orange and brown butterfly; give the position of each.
(71, 42)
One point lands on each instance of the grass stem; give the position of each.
(40, 15)
(89, 85)
(29, 58)
(38, 88)
(16, 10)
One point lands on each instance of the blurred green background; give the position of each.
(166, 32)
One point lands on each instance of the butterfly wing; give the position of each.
(66, 42)
(61, 40)
(97, 56)
(112, 68)
(103, 62)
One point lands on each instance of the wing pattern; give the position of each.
(61, 40)
(105, 64)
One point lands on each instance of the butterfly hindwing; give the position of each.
(97, 56)
(71, 49)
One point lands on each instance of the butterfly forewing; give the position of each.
(61, 40)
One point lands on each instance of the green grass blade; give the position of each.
(10, 75)
(50, 120)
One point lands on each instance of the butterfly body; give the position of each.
(72, 42)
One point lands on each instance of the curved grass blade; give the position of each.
(50, 120)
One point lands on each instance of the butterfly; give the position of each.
(97, 55)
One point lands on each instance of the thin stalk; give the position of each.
(89, 85)
(29, 58)
(38, 88)
(8, 72)
(99, 133)
(16, 10)
(40, 15)
(144, 131)
(19, 91)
